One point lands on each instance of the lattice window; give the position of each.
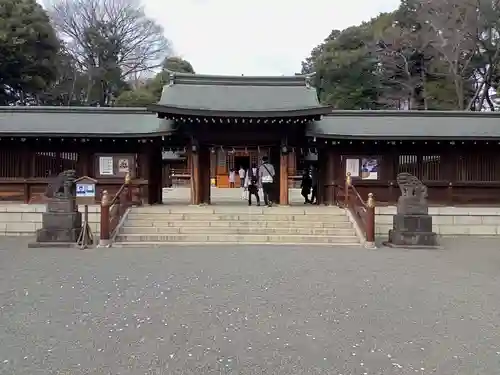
(478, 168)
(10, 164)
(424, 167)
(254, 158)
(230, 161)
(48, 164)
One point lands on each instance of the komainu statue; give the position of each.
(411, 186)
(61, 222)
(412, 225)
(63, 186)
(413, 199)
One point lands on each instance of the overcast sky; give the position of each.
(255, 37)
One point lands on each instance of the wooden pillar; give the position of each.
(155, 178)
(85, 160)
(450, 173)
(275, 159)
(213, 164)
(195, 173)
(283, 173)
(167, 175)
(329, 176)
(26, 171)
(205, 163)
(104, 233)
(143, 173)
(321, 175)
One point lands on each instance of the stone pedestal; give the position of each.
(412, 205)
(412, 225)
(411, 230)
(62, 223)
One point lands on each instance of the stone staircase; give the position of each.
(237, 224)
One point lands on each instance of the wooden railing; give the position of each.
(112, 210)
(363, 212)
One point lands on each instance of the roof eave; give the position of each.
(396, 113)
(83, 135)
(61, 109)
(181, 111)
(401, 137)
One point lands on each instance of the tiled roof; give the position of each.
(233, 95)
(407, 124)
(126, 122)
(90, 121)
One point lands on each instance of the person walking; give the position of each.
(242, 174)
(252, 184)
(266, 179)
(306, 185)
(232, 178)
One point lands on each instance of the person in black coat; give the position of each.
(252, 184)
(306, 185)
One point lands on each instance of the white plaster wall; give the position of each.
(449, 221)
(25, 219)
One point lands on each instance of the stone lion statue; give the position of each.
(411, 186)
(63, 186)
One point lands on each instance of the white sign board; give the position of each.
(352, 167)
(106, 166)
(85, 190)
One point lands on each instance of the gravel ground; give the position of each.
(250, 310)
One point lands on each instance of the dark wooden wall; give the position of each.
(28, 165)
(455, 173)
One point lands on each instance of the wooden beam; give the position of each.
(284, 179)
(195, 174)
(321, 175)
(205, 161)
(329, 166)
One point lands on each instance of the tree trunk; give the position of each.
(472, 102)
(459, 92)
(490, 103)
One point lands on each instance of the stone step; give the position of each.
(233, 217)
(235, 238)
(143, 244)
(237, 210)
(230, 230)
(237, 224)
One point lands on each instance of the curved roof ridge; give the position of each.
(222, 80)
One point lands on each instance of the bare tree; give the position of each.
(403, 65)
(450, 26)
(487, 37)
(110, 39)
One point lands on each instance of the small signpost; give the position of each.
(85, 190)
(85, 195)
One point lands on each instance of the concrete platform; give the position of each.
(224, 196)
